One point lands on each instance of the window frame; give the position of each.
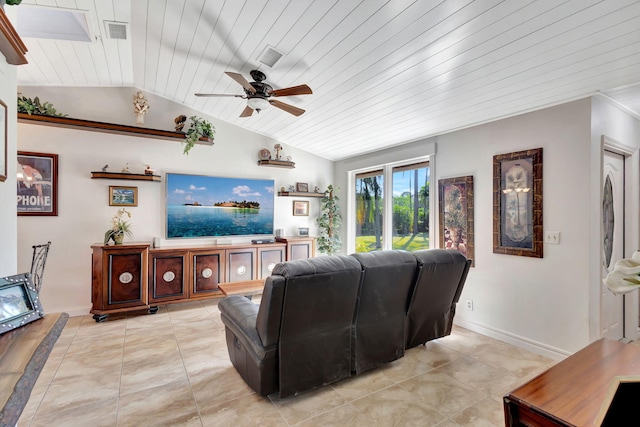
(387, 210)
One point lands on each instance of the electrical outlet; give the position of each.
(552, 237)
(468, 304)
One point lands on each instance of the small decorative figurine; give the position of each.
(292, 188)
(125, 169)
(180, 121)
(282, 189)
(104, 168)
(148, 170)
(140, 107)
(316, 189)
(278, 148)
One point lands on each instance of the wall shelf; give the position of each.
(92, 126)
(299, 194)
(11, 46)
(120, 175)
(277, 163)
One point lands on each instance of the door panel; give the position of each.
(611, 305)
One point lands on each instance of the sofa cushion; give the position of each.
(438, 288)
(379, 321)
(315, 333)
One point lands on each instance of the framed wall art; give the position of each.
(123, 196)
(517, 203)
(455, 204)
(37, 178)
(300, 208)
(3, 141)
(19, 302)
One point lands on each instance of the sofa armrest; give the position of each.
(239, 315)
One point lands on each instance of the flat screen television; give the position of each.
(213, 206)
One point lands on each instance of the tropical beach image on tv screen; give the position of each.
(209, 206)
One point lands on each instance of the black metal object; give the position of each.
(38, 262)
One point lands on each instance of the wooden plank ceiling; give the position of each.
(383, 72)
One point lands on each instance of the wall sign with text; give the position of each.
(37, 178)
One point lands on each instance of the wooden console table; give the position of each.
(248, 288)
(23, 353)
(572, 392)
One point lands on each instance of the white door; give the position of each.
(611, 306)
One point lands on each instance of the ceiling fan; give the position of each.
(258, 94)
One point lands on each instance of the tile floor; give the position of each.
(172, 369)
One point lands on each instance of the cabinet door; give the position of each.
(267, 259)
(208, 271)
(241, 264)
(300, 249)
(167, 276)
(125, 281)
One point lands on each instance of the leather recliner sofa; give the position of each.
(324, 319)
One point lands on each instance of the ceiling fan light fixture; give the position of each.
(258, 103)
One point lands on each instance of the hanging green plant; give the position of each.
(14, 2)
(329, 223)
(33, 106)
(199, 128)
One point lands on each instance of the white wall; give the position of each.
(540, 303)
(8, 235)
(83, 210)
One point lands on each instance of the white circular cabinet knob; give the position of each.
(241, 270)
(125, 277)
(168, 276)
(207, 272)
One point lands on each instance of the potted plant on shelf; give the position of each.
(329, 223)
(119, 228)
(199, 128)
(34, 106)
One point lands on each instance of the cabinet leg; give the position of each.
(99, 318)
(153, 310)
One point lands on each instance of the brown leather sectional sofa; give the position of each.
(324, 319)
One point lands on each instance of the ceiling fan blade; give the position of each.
(286, 107)
(217, 94)
(294, 90)
(247, 112)
(240, 79)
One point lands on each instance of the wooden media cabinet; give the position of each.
(135, 277)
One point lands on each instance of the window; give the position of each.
(411, 207)
(408, 208)
(369, 205)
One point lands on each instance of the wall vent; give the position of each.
(116, 30)
(270, 57)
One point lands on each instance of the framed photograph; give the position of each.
(19, 302)
(3, 141)
(517, 203)
(300, 208)
(37, 184)
(455, 203)
(302, 187)
(303, 231)
(123, 196)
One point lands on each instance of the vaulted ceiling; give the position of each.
(382, 72)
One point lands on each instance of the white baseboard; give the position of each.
(525, 343)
